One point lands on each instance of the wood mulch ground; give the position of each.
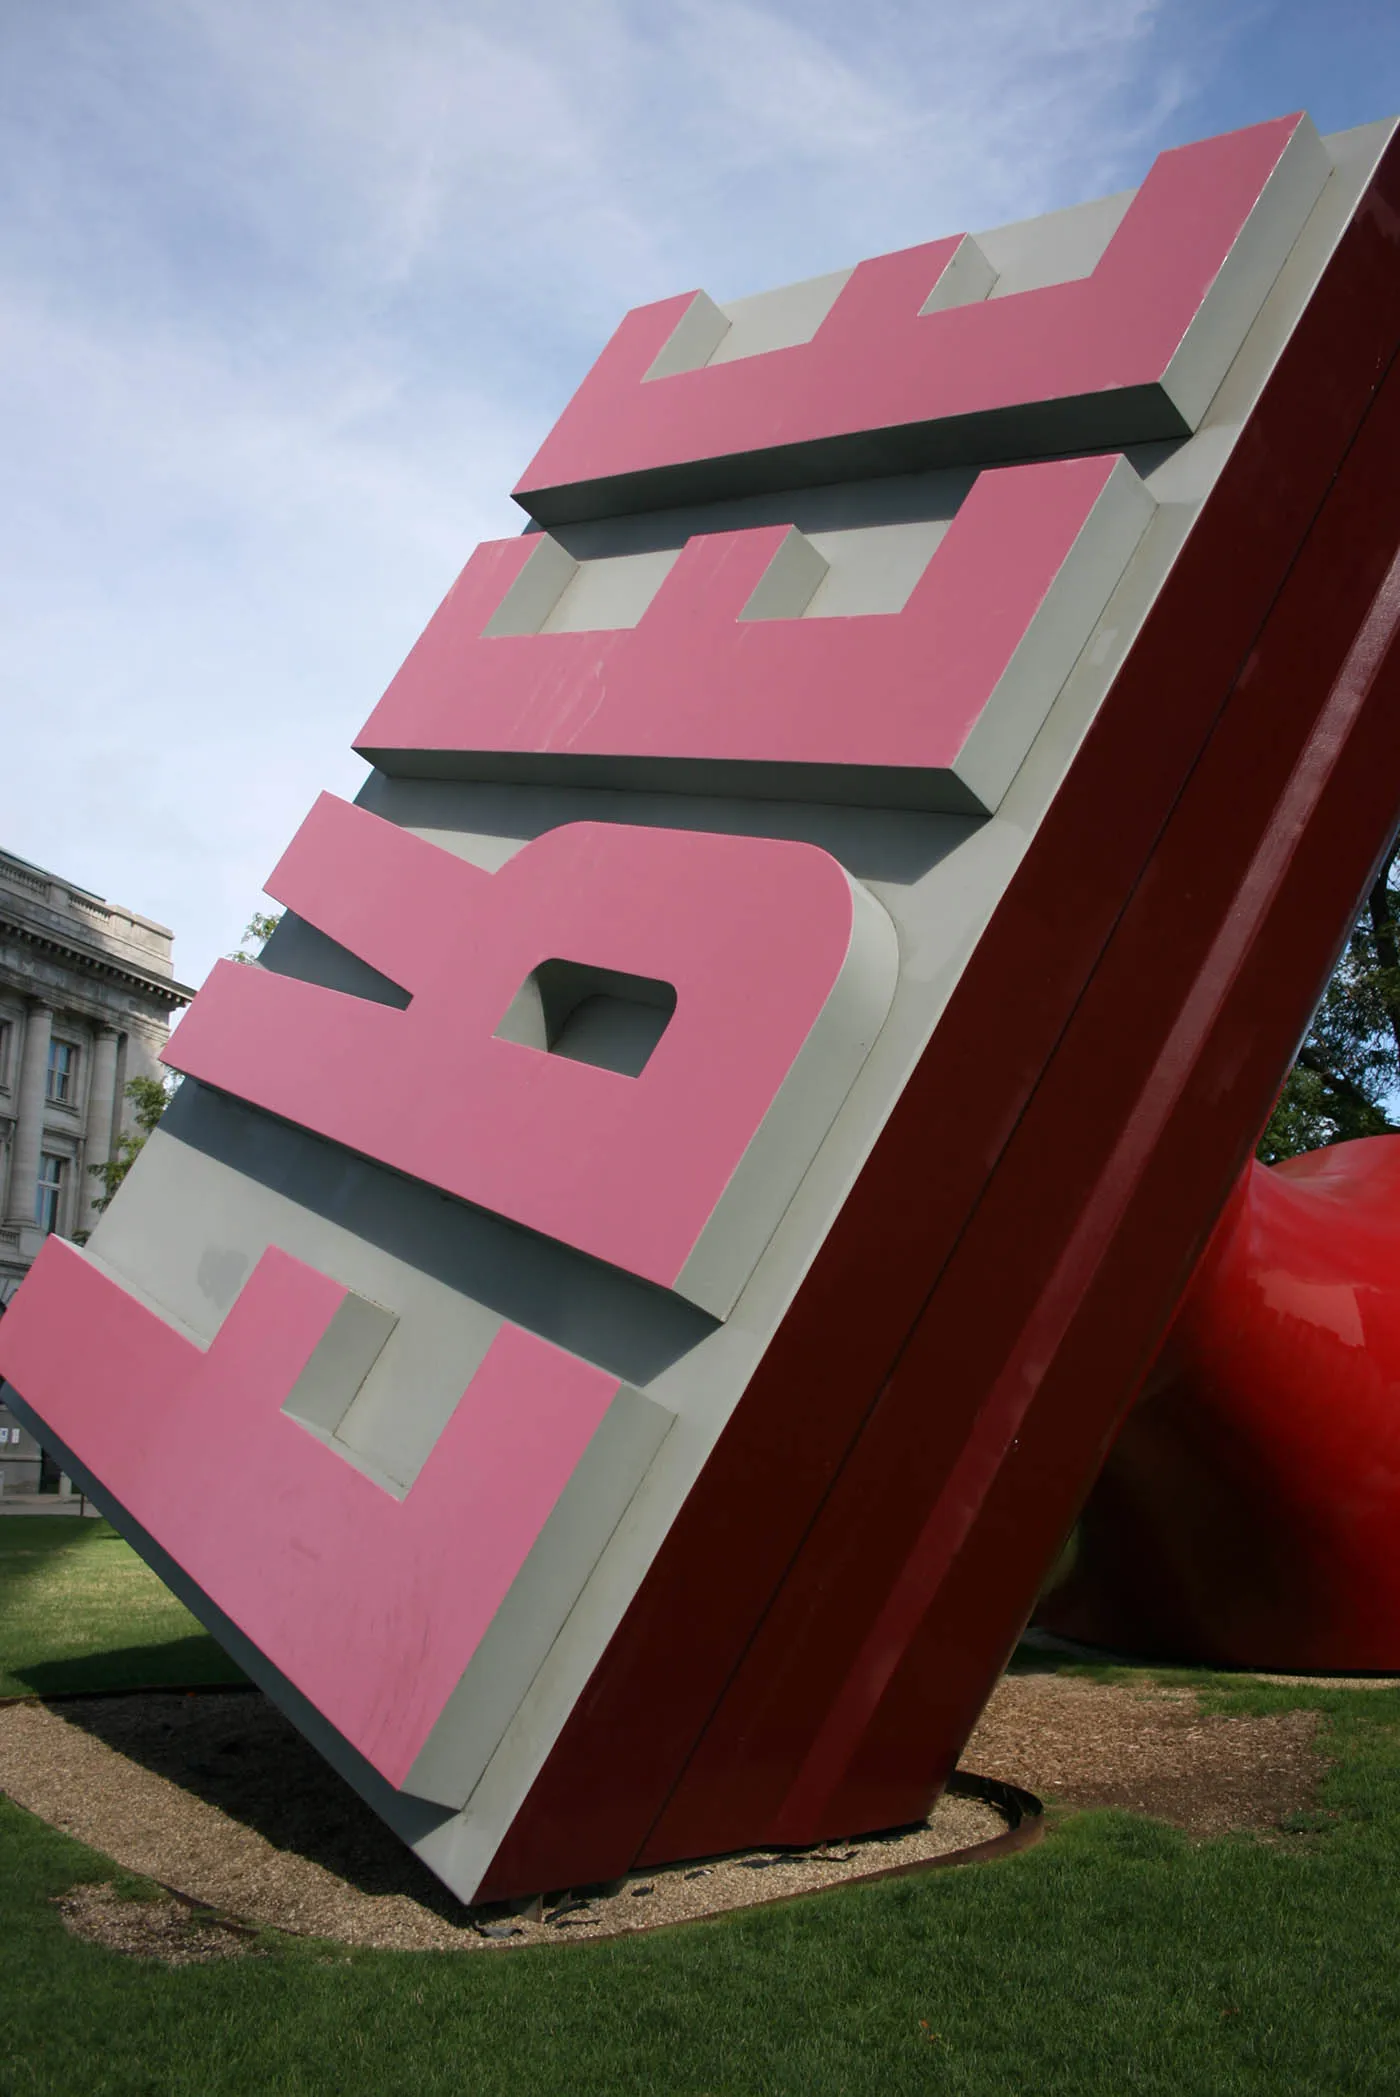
(166, 1928)
(218, 1797)
(1147, 1748)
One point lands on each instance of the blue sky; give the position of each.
(290, 292)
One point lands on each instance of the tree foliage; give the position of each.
(257, 932)
(149, 1097)
(1348, 1070)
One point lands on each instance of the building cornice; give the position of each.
(46, 939)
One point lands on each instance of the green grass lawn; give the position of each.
(1117, 1957)
(79, 1611)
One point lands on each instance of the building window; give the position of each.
(6, 1032)
(47, 1194)
(63, 1072)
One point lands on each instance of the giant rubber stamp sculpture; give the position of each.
(631, 1296)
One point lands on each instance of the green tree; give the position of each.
(150, 1097)
(259, 929)
(1348, 1069)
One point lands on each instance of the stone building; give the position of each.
(86, 997)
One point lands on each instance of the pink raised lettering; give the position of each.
(934, 705)
(1133, 351)
(761, 945)
(373, 1606)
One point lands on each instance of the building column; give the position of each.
(29, 1116)
(97, 1146)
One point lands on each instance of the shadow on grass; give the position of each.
(1041, 1653)
(195, 1662)
(1038, 1654)
(29, 1544)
